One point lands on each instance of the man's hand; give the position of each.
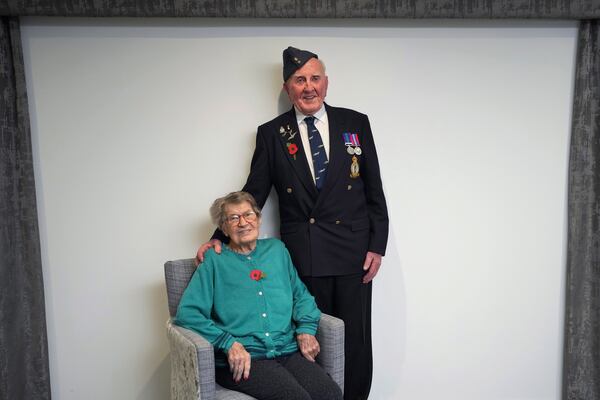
(239, 361)
(372, 264)
(216, 243)
(309, 347)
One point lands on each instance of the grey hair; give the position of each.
(323, 65)
(217, 210)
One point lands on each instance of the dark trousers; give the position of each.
(290, 377)
(347, 298)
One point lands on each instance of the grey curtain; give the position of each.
(581, 376)
(23, 349)
(24, 372)
(566, 9)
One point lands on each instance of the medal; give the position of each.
(347, 140)
(354, 169)
(352, 144)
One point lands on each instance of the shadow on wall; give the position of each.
(389, 322)
(159, 383)
(283, 104)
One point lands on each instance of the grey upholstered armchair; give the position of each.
(192, 356)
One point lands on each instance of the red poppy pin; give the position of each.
(292, 149)
(257, 275)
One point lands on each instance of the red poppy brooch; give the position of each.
(292, 149)
(257, 275)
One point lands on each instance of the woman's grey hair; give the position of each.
(217, 210)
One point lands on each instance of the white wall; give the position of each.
(139, 124)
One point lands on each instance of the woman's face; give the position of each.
(241, 224)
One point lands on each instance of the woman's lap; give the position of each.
(289, 377)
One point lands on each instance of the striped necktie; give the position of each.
(317, 150)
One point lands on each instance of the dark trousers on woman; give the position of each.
(290, 377)
(347, 298)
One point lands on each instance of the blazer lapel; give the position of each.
(337, 151)
(289, 136)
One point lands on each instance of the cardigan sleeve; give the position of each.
(196, 304)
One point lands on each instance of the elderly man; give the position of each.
(323, 163)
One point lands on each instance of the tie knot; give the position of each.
(309, 120)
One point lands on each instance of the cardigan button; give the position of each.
(260, 293)
(264, 315)
(289, 190)
(267, 334)
(312, 220)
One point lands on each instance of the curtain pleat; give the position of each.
(553, 9)
(24, 372)
(581, 374)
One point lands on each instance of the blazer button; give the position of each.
(289, 190)
(337, 221)
(349, 187)
(312, 220)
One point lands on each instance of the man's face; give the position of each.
(307, 87)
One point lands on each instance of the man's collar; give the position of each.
(320, 115)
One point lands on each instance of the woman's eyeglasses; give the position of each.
(234, 219)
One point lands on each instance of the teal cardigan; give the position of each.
(225, 302)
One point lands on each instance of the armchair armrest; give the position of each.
(192, 364)
(330, 335)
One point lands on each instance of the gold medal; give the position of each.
(354, 168)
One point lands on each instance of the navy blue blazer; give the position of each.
(328, 232)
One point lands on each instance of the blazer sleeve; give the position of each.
(376, 205)
(259, 180)
(305, 313)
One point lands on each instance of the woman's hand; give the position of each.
(239, 361)
(309, 347)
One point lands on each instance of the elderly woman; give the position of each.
(251, 305)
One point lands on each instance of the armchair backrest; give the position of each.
(177, 276)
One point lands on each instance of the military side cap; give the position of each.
(294, 59)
